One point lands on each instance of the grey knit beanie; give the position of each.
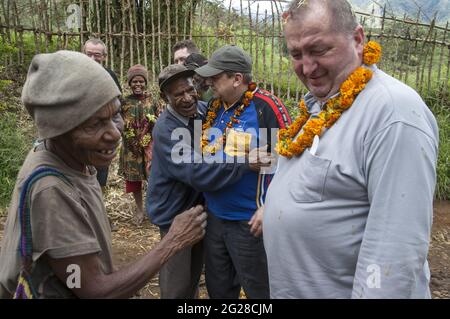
(64, 89)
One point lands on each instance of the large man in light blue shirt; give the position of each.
(351, 216)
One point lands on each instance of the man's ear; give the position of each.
(359, 38)
(238, 79)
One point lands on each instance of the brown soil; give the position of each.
(439, 256)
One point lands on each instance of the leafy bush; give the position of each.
(443, 166)
(13, 148)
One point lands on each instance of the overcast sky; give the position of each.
(263, 5)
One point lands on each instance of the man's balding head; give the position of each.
(337, 13)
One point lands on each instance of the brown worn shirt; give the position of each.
(66, 221)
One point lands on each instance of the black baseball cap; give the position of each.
(195, 60)
(173, 72)
(227, 58)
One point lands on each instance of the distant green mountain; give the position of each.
(428, 8)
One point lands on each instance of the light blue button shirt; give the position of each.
(354, 219)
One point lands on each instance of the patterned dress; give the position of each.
(139, 117)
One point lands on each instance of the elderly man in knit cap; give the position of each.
(139, 115)
(74, 104)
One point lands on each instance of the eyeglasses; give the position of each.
(94, 54)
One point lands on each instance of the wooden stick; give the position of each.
(431, 64)
(58, 39)
(144, 30)
(47, 27)
(153, 37)
(122, 53)
(229, 22)
(185, 26)
(280, 51)
(169, 45)
(446, 88)
(250, 27)
(201, 19)
(416, 50)
(241, 20)
(256, 72)
(15, 18)
(441, 55)
(192, 16)
(89, 22)
(107, 38)
(81, 24)
(176, 21)
(264, 50)
(136, 30)
(272, 55)
(98, 16)
(159, 37)
(131, 37)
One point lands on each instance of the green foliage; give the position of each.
(442, 114)
(5, 48)
(13, 148)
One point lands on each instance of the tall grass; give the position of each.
(13, 149)
(442, 114)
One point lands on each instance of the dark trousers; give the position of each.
(102, 175)
(234, 259)
(180, 275)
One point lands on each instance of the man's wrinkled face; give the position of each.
(322, 57)
(180, 56)
(95, 51)
(182, 96)
(96, 141)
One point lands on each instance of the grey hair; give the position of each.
(341, 13)
(95, 41)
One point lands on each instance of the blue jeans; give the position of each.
(234, 259)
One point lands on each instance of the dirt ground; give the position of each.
(128, 243)
(131, 241)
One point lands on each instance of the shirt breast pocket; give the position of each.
(307, 184)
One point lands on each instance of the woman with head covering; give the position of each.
(57, 238)
(139, 117)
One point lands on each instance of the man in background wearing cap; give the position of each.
(235, 255)
(176, 185)
(96, 50)
(77, 114)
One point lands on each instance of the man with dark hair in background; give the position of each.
(182, 49)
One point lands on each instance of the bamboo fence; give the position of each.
(144, 31)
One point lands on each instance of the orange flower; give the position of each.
(372, 53)
(212, 115)
(331, 112)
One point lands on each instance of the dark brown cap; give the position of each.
(173, 72)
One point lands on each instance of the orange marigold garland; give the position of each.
(211, 116)
(331, 112)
